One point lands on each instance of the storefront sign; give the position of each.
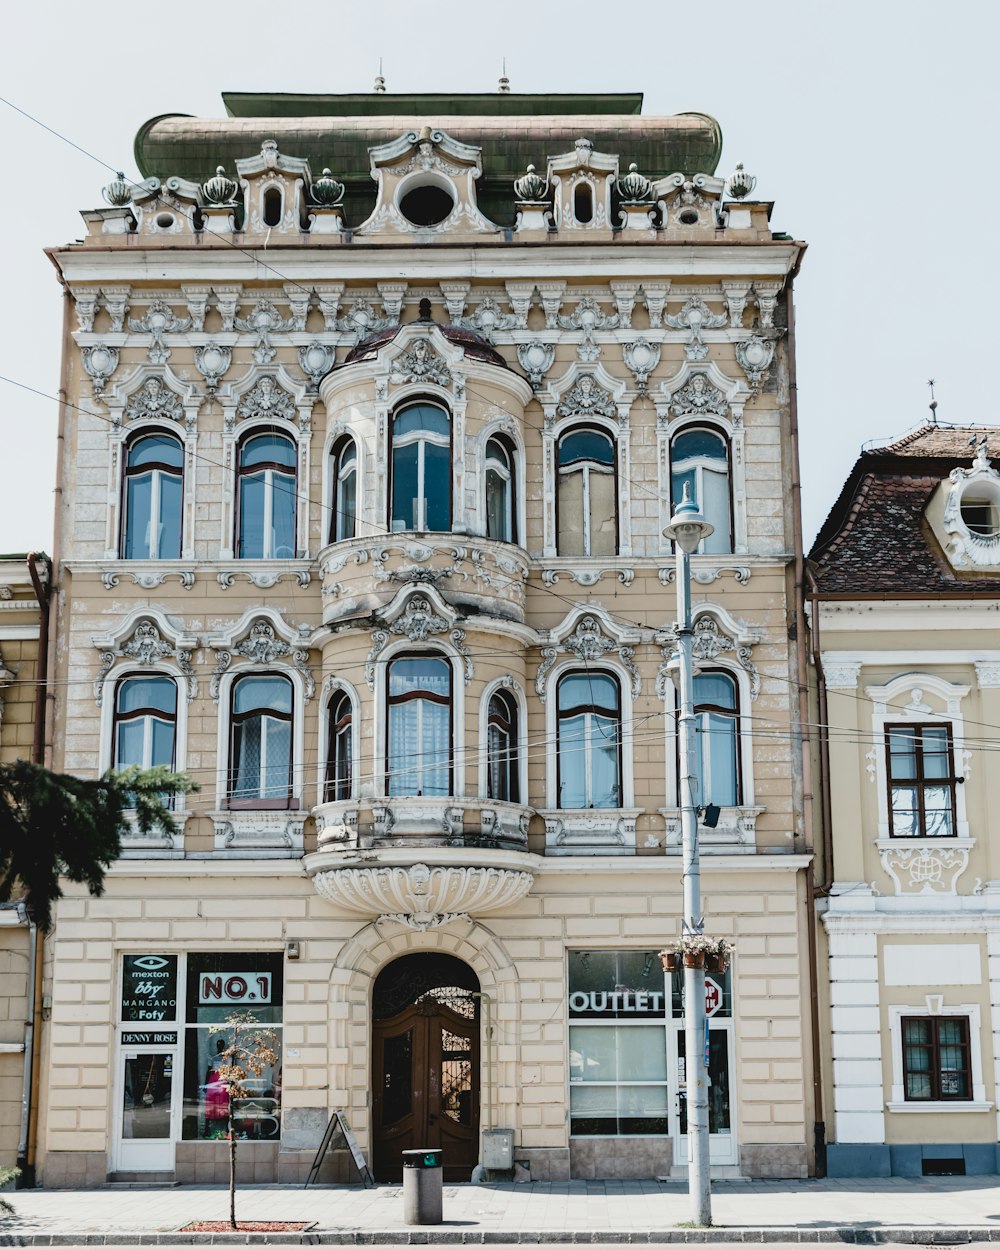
(618, 1001)
(149, 1039)
(149, 987)
(234, 987)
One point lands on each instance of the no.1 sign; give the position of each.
(713, 996)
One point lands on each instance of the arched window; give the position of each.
(501, 749)
(700, 457)
(145, 722)
(153, 503)
(419, 747)
(260, 756)
(344, 497)
(272, 206)
(588, 720)
(501, 500)
(265, 498)
(717, 740)
(588, 515)
(421, 469)
(339, 748)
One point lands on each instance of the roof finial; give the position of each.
(933, 404)
(379, 80)
(504, 85)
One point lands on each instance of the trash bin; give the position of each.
(423, 1173)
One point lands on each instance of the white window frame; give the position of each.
(717, 428)
(581, 425)
(422, 438)
(247, 435)
(331, 688)
(224, 736)
(887, 712)
(932, 1006)
(624, 679)
(335, 438)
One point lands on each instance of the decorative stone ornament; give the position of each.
(588, 398)
(158, 320)
(487, 319)
(144, 643)
(420, 364)
(221, 190)
(754, 356)
(273, 190)
(316, 361)
(695, 317)
(118, 192)
(967, 547)
(264, 320)
(421, 897)
(589, 316)
(361, 320)
(634, 188)
(536, 358)
(740, 184)
(266, 399)
(154, 400)
(100, 362)
(212, 361)
(530, 188)
(326, 191)
(259, 645)
(641, 358)
(701, 396)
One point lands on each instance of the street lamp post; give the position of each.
(686, 530)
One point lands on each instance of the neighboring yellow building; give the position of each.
(905, 623)
(24, 588)
(362, 526)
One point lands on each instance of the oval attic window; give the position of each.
(427, 205)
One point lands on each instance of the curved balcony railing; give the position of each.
(415, 823)
(474, 575)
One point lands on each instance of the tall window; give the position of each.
(717, 740)
(145, 722)
(936, 1064)
(588, 515)
(501, 748)
(921, 781)
(501, 517)
(265, 498)
(699, 458)
(339, 748)
(588, 714)
(261, 741)
(421, 469)
(343, 521)
(153, 504)
(419, 748)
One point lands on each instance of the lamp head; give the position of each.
(687, 526)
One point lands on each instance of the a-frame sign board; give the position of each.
(338, 1134)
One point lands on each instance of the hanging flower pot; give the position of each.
(670, 960)
(694, 959)
(716, 961)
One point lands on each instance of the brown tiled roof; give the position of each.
(877, 541)
(474, 347)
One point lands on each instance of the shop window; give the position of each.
(588, 749)
(421, 469)
(618, 1007)
(501, 747)
(717, 740)
(260, 759)
(217, 987)
(265, 498)
(936, 1058)
(921, 781)
(501, 522)
(699, 459)
(153, 498)
(586, 494)
(419, 726)
(344, 496)
(339, 748)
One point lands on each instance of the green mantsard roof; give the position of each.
(513, 130)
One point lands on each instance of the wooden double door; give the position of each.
(426, 1089)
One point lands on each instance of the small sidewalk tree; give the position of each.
(250, 1050)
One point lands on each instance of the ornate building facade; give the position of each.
(363, 505)
(905, 595)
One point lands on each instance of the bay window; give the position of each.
(501, 522)
(501, 748)
(344, 497)
(421, 469)
(339, 748)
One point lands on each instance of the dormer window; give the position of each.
(272, 207)
(980, 515)
(583, 203)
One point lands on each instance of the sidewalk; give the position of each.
(934, 1209)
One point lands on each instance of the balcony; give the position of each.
(421, 862)
(476, 576)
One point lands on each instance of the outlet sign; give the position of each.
(149, 988)
(234, 988)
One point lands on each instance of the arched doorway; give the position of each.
(425, 1063)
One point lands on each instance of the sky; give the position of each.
(872, 127)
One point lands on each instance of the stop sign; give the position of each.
(713, 996)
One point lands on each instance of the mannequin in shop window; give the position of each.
(216, 1091)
